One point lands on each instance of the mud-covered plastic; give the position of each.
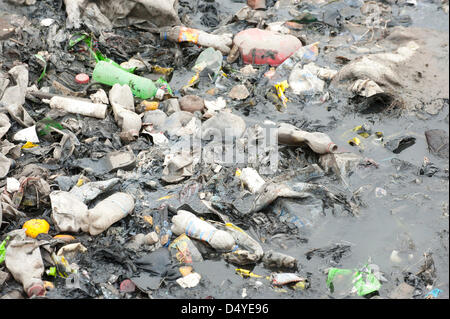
(77, 106)
(192, 226)
(250, 177)
(210, 60)
(274, 259)
(249, 250)
(319, 142)
(180, 34)
(108, 211)
(24, 261)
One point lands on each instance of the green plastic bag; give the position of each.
(366, 282)
(363, 281)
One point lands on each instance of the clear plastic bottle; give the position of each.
(303, 55)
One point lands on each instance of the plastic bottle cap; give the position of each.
(82, 78)
(37, 290)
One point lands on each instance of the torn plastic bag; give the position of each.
(8, 208)
(177, 167)
(304, 81)
(89, 191)
(24, 261)
(159, 263)
(122, 13)
(155, 119)
(336, 252)
(5, 164)
(249, 252)
(438, 142)
(27, 135)
(209, 63)
(4, 82)
(121, 95)
(250, 177)
(341, 164)
(109, 163)
(300, 191)
(304, 213)
(5, 124)
(14, 96)
(109, 211)
(380, 67)
(65, 148)
(271, 192)
(69, 213)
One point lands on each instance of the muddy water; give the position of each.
(411, 218)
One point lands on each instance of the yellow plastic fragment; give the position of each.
(150, 106)
(354, 141)
(166, 197)
(29, 145)
(281, 87)
(247, 273)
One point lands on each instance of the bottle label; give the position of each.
(193, 231)
(188, 35)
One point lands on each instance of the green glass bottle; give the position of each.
(108, 74)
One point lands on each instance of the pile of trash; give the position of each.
(144, 143)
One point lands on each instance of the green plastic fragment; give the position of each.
(48, 122)
(162, 84)
(364, 281)
(40, 57)
(3, 249)
(51, 271)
